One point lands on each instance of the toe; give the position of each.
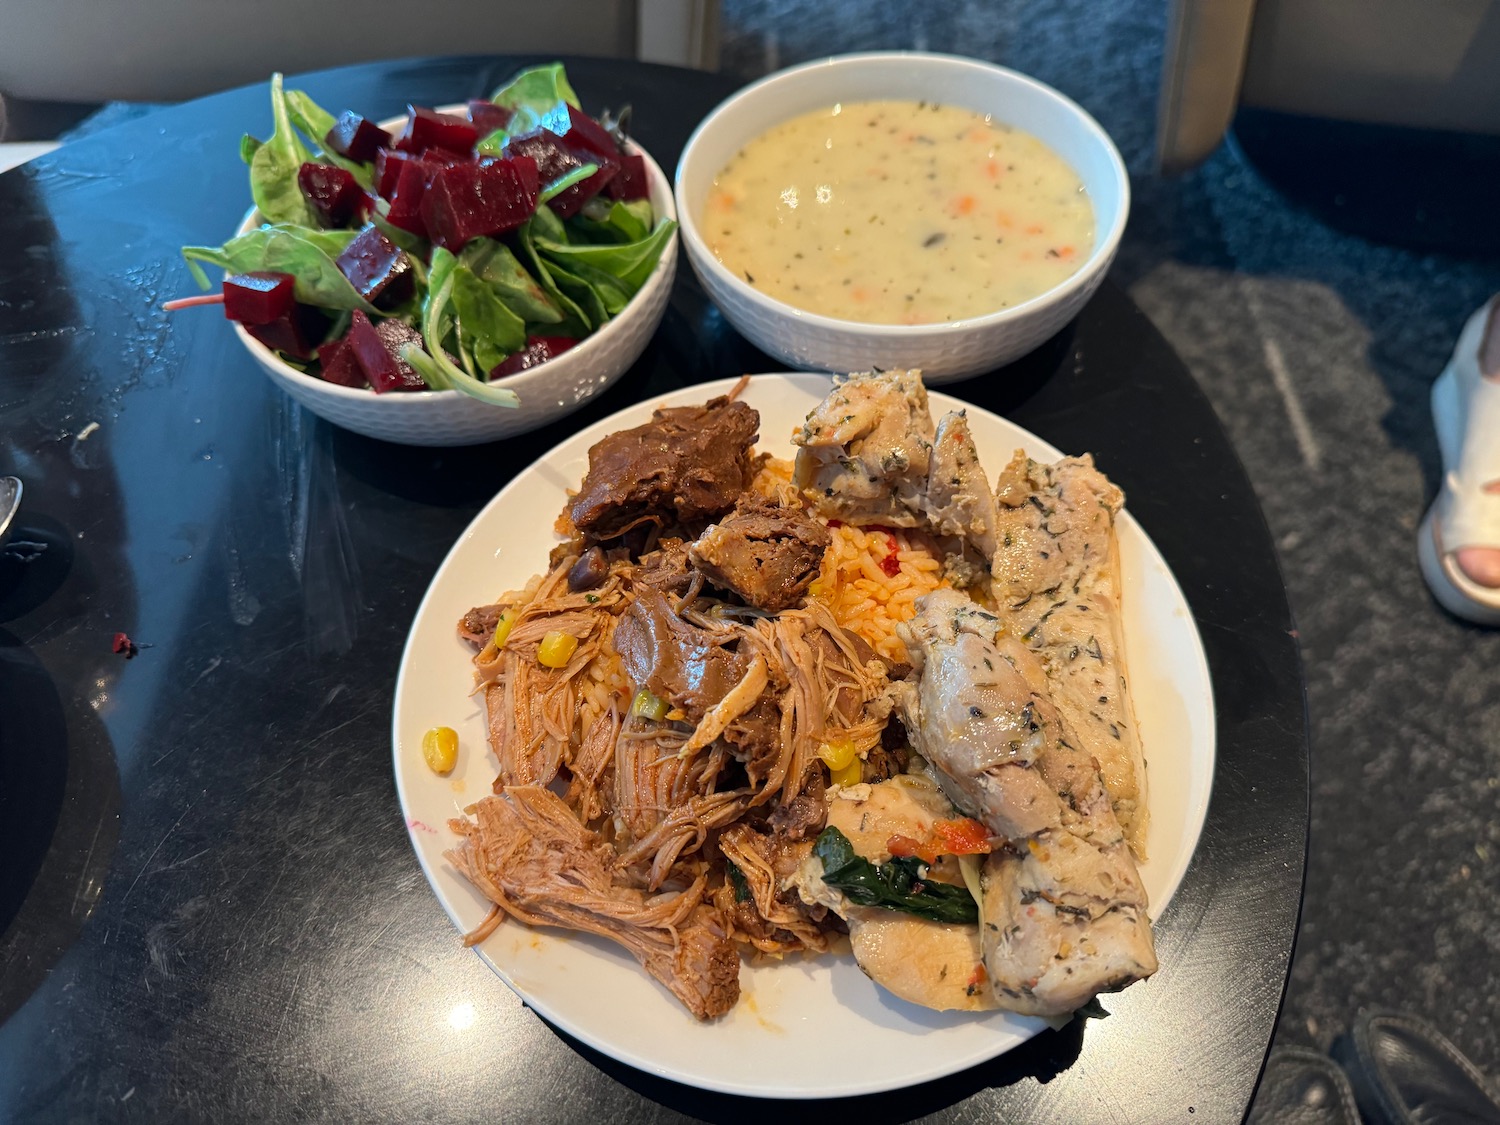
(1480, 565)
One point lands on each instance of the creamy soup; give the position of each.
(897, 212)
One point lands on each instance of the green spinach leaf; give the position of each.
(315, 121)
(494, 264)
(305, 253)
(538, 98)
(487, 330)
(583, 295)
(897, 884)
(437, 370)
(273, 169)
(574, 322)
(631, 262)
(565, 181)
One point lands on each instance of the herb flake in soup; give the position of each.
(896, 212)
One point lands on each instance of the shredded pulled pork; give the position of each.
(527, 851)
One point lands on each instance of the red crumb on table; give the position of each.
(124, 646)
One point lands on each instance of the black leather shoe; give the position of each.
(1302, 1087)
(1404, 1072)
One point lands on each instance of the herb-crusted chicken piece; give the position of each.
(1056, 572)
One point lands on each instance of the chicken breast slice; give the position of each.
(958, 499)
(1056, 576)
(935, 964)
(869, 454)
(1064, 914)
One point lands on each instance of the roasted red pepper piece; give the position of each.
(902, 846)
(258, 298)
(356, 137)
(965, 836)
(427, 129)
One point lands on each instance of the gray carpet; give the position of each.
(1317, 349)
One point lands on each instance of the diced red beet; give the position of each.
(378, 268)
(333, 192)
(526, 169)
(381, 364)
(488, 117)
(258, 298)
(395, 334)
(586, 133)
(339, 365)
(555, 158)
(388, 165)
(482, 198)
(296, 333)
(406, 196)
(356, 137)
(538, 350)
(427, 129)
(632, 182)
(387, 168)
(568, 202)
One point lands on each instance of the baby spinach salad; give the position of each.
(462, 250)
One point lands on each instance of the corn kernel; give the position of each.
(440, 749)
(849, 775)
(556, 649)
(503, 627)
(837, 754)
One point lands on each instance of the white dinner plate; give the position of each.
(798, 1017)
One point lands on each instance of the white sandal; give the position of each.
(1466, 513)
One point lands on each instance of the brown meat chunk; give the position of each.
(667, 568)
(766, 553)
(674, 659)
(478, 625)
(689, 463)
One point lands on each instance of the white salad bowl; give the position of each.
(547, 391)
(947, 351)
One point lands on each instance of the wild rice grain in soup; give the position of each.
(894, 212)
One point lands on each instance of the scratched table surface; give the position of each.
(210, 908)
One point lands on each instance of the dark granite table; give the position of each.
(210, 908)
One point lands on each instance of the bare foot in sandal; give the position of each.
(1459, 543)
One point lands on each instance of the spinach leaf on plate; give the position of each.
(897, 884)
